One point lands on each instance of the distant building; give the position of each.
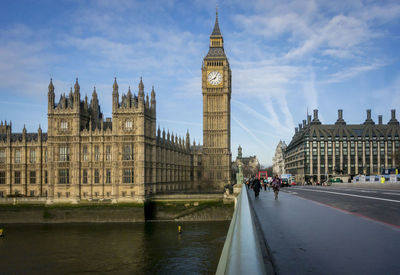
(250, 165)
(319, 151)
(278, 161)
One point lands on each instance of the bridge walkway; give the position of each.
(305, 237)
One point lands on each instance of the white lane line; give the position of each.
(352, 195)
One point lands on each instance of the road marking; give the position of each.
(352, 195)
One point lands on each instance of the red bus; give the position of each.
(262, 174)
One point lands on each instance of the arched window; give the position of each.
(64, 125)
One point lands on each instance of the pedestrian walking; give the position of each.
(256, 187)
(265, 183)
(276, 184)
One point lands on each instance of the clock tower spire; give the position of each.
(216, 90)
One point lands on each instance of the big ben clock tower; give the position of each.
(216, 88)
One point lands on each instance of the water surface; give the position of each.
(145, 248)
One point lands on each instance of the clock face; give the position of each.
(214, 78)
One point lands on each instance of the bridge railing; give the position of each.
(241, 253)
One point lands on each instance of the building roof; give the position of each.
(216, 31)
(18, 137)
(216, 53)
(342, 130)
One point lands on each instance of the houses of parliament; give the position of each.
(84, 156)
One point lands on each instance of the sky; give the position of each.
(286, 57)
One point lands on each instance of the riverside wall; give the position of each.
(183, 209)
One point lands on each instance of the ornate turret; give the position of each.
(129, 97)
(51, 96)
(95, 107)
(115, 95)
(216, 41)
(240, 152)
(216, 35)
(39, 133)
(70, 99)
(85, 104)
(76, 86)
(24, 134)
(153, 100)
(141, 92)
(77, 97)
(187, 140)
(63, 102)
(147, 102)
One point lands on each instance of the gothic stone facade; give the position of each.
(216, 87)
(84, 157)
(319, 151)
(250, 165)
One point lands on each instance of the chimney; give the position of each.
(304, 123)
(300, 126)
(308, 119)
(315, 120)
(340, 119)
(393, 120)
(296, 130)
(380, 119)
(369, 119)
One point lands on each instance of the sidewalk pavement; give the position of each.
(305, 237)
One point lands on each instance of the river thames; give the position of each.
(142, 248)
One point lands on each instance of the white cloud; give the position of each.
(351, 72)
(341, 33)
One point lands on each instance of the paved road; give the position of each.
(377, 204)
(306, 237)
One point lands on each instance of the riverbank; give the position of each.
(124, 212)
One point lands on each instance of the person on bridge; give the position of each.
(276, 184)
(265, 183)
(256, 187)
